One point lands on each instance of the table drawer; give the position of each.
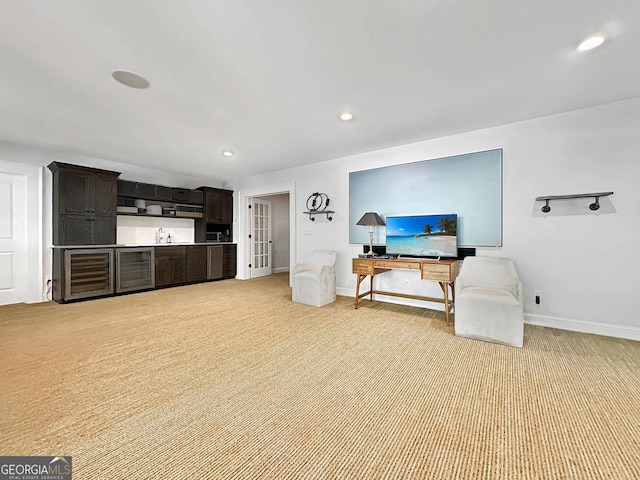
(362, 266)
(398, 264)
(436, 272)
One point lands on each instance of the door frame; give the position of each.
(36, 288)
(244, 246)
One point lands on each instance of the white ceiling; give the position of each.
(268, 79)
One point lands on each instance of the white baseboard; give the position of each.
(583, 326)
(597, 328)
(280, 270)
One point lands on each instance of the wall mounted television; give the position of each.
(422, 235)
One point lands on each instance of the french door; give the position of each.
(260, 238)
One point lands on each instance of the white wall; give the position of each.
(583, 262)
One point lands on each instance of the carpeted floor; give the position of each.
(231, 380)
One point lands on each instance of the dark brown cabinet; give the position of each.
(159, 193)
(84, 205)
(196, 263)
(229, 261)
(146, 191)
(217, 220)
(218, 205)
(171, 266)
(83, 273)
(85, 230)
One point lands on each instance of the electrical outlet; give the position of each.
(537, 297)
(406, 281)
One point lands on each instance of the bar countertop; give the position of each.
(139, 245)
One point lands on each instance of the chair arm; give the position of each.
(460, 283)
(328, 271)
(302, 267)
(517, 290)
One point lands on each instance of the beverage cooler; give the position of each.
(135, 269)
(87, 273)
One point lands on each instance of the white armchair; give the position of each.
(488, 304)
(314, 282)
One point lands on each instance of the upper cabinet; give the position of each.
(218, 205)
(158, 193)
(217, 221)
(84, 205)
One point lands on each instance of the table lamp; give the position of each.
(371, 219)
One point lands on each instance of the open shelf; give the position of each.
(593, 206)
(323, 212)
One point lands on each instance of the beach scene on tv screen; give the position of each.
(422, 235)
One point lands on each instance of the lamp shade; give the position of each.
(371, 219)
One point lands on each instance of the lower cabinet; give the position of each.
(196, 263)
(82, 273)
(171, 266)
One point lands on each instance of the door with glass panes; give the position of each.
(260, 238)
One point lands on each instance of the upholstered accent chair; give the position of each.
(488, 303)
(314, 282)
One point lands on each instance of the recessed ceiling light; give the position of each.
(592, 42)
(130, 79)
(227, 153)
(346, 116)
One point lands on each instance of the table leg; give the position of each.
(445, 289)
(360, 279)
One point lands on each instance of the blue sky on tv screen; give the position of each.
(412, 225)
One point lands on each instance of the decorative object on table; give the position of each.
(371, 219)
(314, 282)
(317, 204)
(488, 304)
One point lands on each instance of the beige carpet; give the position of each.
(231, 380)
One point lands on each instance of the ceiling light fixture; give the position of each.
(227, 153)
(592, 42)
(346, 116)
(130, 79)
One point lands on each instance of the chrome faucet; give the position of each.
(159, 235)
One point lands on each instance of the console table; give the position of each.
(442, 271)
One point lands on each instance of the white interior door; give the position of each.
(260, 238)
(13, 239)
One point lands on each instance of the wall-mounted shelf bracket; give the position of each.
(323, 212)
(317, 204)
(592, 206)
